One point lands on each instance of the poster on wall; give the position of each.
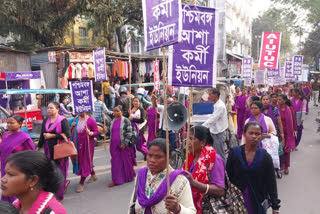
(270, 50)
(82, 96)
(192, 62)
(162, 23)
(99, 61)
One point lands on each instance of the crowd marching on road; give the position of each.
(269, 127)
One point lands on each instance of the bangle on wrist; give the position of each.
(207, 189)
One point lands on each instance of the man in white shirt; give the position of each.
(162, 125)
(217, 122)
(232, 88)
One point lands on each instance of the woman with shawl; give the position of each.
(307, 92)
(268, 127)
(288, 123)
(121, 150)
(299, 104)
(203, 159)
(241, 110)
(83, 129)
(150, 193)
(14, 140)
(138, 122)
(55, 128)
(273, 113)
(153, 120)
(250, 168)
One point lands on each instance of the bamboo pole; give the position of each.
(86, 121)
(188, 125)
(166, 114)
(104, 120)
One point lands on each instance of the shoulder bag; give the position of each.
(64, 148)
(231, 203)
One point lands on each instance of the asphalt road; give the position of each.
(298, 191)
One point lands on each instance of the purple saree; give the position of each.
(152, 127)
(241, 110)
(12, 143)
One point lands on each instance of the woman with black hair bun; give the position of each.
(204, 160)
(14, 140)
(32, 178)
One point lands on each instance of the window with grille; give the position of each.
(83, 32)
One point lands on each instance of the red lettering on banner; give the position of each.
(270, 50)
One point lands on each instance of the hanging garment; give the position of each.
(66, 63)
(61, 62)
(120, 73)
(108, 69)
(78, 71)
(71, 71)
(142, 68)
(90, 70)
(115, 67)
(135, 72)
(84, 71)
(148, 67)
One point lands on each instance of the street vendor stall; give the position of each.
(31, 113)
(18, 80)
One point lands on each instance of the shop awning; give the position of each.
(35, 91)
(235, 55)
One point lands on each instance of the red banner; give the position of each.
(270, 50)
(156, 76)
(31, 116)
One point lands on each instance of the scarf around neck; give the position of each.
(159, 194)
(55, 125)
(207, 158)
(270, 114)
(297, 106)
(262, 121)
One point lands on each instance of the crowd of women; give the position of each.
(257, 115)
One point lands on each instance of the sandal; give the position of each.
(112, 184)
(92, 179)
(80, 188)
(66, 187)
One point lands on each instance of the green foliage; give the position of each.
(311, 47)
(272, 20)
(38, 23)
(109, 17)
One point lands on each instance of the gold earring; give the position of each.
(31, 188)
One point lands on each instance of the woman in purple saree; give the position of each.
(14, 140)
(54, 128)
(153, 121)
(241, 110)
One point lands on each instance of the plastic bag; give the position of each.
(272, 147)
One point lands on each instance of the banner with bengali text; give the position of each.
(247, 67)
(82, 96)
(99, 60)
(297, 63)
(192, 61)
(259, 77)
(270, 50)
(162, 23)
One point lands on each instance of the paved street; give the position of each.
(297, 191)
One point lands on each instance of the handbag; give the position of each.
(64, 149)
(231, 203)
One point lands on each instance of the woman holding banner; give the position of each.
(83, 129)
(122, 152)
(202, 160)
(54, 128)
(150, 193)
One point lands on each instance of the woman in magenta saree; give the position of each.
(55, 128)
(153, 121)
(14, 140)
(241, 110)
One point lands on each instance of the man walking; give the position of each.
(217, 122)
(315, 87)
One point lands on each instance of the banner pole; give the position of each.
(104, 120)
(166, 114)
(86, 121)
(188, 126)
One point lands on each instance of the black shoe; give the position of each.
(279, 175)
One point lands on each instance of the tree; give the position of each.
(38, 23)
(271, 20)
(311, 47)
(301, 11)
(109, 17)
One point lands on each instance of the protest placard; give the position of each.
(82, 96)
